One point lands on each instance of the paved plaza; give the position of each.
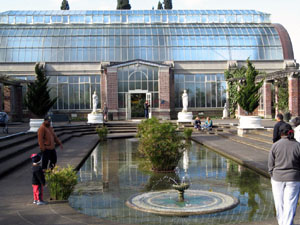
(16, 192)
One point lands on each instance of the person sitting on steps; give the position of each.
(208, 124)
(197, 123)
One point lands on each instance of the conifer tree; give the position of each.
(168, 4)
(159, 6)
(248, 94)
(65, 5)
(123, 4)
(37, 98)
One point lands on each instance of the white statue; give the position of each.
(225, 112)
(95, 102)
(185, 100)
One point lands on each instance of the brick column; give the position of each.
(267, 98)
(294, 95)
(1, 97)
(19, 102)
(164, 92)
(103, 88)
(7, 99)
(112, 91)
(276, 99)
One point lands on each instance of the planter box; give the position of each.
(249, 123)
(35, 124)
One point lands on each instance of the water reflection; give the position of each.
(113, 173)
(249, 183)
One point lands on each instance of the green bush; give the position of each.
(102, 132)
(187, 133)
(61, 182)
(160, 143)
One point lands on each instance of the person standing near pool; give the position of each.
(47, 140)
(284, 168)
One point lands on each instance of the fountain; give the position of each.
(186, 180)
(181, 201)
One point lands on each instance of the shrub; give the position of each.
(61, 182)
(187, 133)
(160, 144)
(102, 132)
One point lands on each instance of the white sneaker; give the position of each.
(41, 203)
(35, 201)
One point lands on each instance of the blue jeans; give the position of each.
(146, 114)
(286, 195)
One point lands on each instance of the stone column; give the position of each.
(267, 98)
(112, 91)
(294, 95)
(165, 93)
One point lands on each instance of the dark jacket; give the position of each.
(146, 106)
(38, 177)
(284, 160)
(276, 133)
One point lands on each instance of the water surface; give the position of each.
(114, 172)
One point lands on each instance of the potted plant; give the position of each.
(61, 182)
(102, 133)
(37, 98)
(248, 96)
(160, 144)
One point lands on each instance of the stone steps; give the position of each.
(14, 156)
(247, 141)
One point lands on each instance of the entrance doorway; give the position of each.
(137, 105)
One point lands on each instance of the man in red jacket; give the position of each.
(47, 140)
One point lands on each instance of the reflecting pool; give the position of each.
(114, 172)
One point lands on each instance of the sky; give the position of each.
(286, 13)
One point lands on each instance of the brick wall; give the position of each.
(267, 99)
(294, 96)
(112, 91)
(7, 97)
(164, 89)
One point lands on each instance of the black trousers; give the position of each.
(49, 159)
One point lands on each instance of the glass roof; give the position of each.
(152, 42)
(133, 16)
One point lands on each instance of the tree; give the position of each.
(248, 94)
(159, 6)
(242, 88)
(37, 98)
(65, 5)
(233, 78)
(168, 4)
(123, 4)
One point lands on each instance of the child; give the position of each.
(38, 180)
(197, 123)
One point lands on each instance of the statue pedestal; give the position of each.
(185, 117)
(95, 118)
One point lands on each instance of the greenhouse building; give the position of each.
(128, 56)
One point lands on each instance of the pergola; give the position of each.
(292, 74)
(11, 97)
